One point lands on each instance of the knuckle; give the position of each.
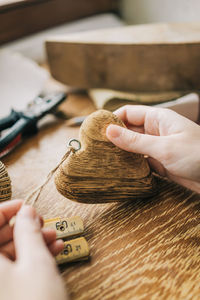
(165, 113)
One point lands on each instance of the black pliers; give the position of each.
(24, 123)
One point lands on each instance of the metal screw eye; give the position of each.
(75, 141)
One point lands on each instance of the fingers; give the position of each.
(190, 184)
(49, 235)
(156, 121)
(6, 234)
(28, 239)
(133, 114)
(8, 209)
(8, 250)
(56, 247)
(139, 129)
(135, 142)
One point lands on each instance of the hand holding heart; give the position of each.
(171, 141)
(101, 172)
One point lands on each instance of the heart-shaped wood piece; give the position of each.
(101, 172)
(5, 184)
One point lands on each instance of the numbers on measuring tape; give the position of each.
(61, 225)
(74, 250)
(67, 249)
(78, 247)
(66, 227)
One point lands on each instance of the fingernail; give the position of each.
(113, 131)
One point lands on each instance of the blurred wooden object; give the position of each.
(187, 105)
(100, 172)
(42, 14)
(112, 99)
(144, 249)
(142, 58)
(5, 184)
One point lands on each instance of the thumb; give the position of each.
(135, 142)
(28, 239)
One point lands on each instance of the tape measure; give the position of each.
(65, 227)
(76, 249)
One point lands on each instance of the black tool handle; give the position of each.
(11, 119)
(15, 133)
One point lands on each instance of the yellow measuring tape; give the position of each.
(65, 227)
(75, 249)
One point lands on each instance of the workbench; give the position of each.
(146, 249)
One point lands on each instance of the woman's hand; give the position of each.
(171, 141)
(27, 268)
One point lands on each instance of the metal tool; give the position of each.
(24, 123)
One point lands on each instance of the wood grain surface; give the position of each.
(145, 249)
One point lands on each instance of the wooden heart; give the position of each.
(101, 172)
(5, 184)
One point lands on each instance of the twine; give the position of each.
(36, 193)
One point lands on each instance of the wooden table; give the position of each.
(140, 250)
